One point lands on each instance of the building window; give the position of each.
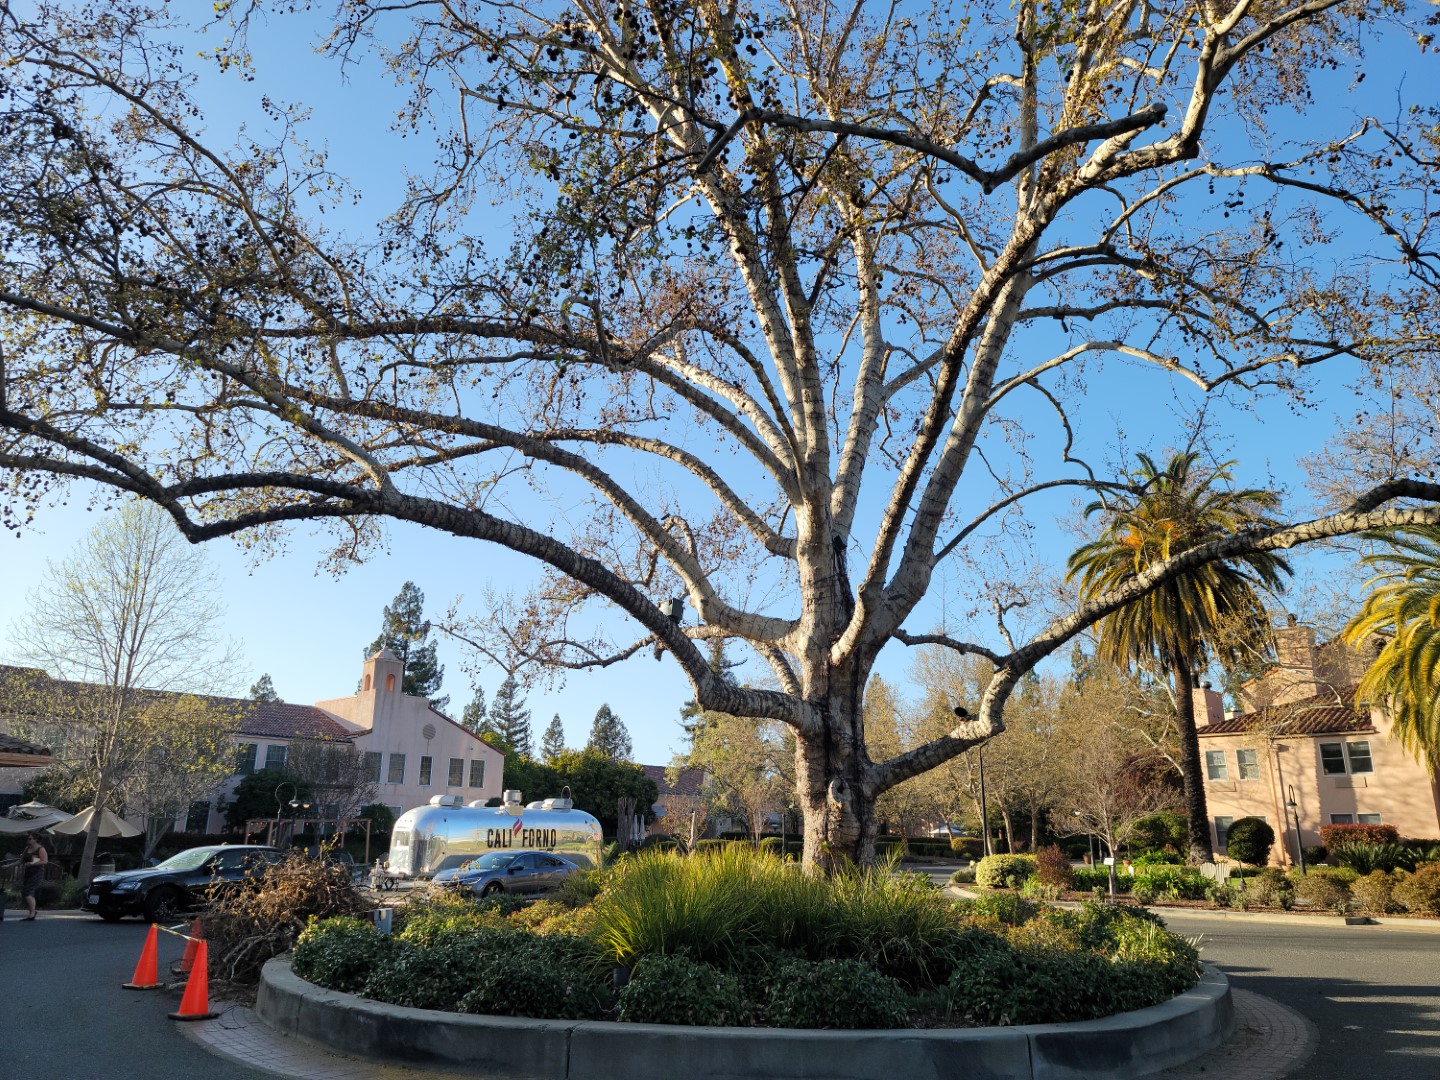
(197, 818)
(1215, 765)
(477, 773)
(245, 759)
(372, 767)
(425, 772)
(1369, 819)
(389, 682)
(1342, 819)
(1352, 757)
(457, 772)
(1249, 763)
(1222, 832)
(1332, 759)
(367, 682)
(397, 769)
(275, 756)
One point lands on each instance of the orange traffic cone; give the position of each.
(188, 960)
(195, 1005)
(147, 974)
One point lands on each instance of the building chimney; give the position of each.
(1209, 706)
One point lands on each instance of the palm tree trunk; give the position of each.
(1190, 768)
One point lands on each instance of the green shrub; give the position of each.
(1343, 874)
(1052, 867)
(1167, 829)
(1250, 840)
(549, 978)
(835, 994)
(1271, 888)
(426, 926)
(1087, 879)
(1159, 858)
(1322, 891)
(1315, 854)
(339, 953)
(1375, 893)
(678, 990)
(1033, 889)
(1144, 891)
(1153, 964)
(964, 876)
(967, 847)
(1365, 856)
(1004, 871)
(1170, 882)
(1002, 908)
(1420, 891)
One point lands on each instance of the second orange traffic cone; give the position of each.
(195, 1005)
(147, 973)
(191, 947)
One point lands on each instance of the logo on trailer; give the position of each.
(516, 827)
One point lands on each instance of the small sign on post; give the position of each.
(383, 918)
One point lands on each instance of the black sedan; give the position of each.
(520, 873)
(180, 883)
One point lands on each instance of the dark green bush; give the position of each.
(835, 994)
(1004, 871)
(549, 978)
(1004, 908)
(1420, 891)
(674, 989)
(1160, 858)
(339, 953)
(1250, 840)
(1087, 878)
(967, 847)
(1157, 832)
(1171, 882)
(440, 976)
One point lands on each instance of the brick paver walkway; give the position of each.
(1270, 1042)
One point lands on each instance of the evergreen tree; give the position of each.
(608, 735)
(475, 716)
(263, 690)
(552, 744)
(691, 715)
(509, 719)
(406, 633)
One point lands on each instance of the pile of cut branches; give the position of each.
(261, 919)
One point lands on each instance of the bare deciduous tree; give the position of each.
(860, 254)
(134, 611)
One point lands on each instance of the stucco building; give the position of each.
(411, 751)
(1302, 751)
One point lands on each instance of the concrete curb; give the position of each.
(1131, 1044)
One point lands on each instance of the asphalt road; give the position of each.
(1372, 991)
(63, 1015)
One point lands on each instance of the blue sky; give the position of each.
(307, 628)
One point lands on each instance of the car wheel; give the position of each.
(110, 916)
(492, 889)
(162, 905)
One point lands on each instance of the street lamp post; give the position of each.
(1294, 808)
(295, 803)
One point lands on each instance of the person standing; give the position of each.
(33, 860)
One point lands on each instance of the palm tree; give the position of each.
(1403, 608)
(1210, 608)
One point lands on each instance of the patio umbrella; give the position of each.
(13, 825)
(110, 825)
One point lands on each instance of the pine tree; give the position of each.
(608, 735)
(509, 719)
(475, 716)
(264, 690)
(406, 633)
(552, 744)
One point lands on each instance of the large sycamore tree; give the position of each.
(797, 307)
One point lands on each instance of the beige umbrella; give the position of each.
(14, 825)
(110, 825)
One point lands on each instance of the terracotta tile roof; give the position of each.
(265, 719)
(282, 720)
(9, 744)
(688, 782)
(1319, 715)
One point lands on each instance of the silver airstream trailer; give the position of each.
(447, 832)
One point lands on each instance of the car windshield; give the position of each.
(495, 860)
(187, 860)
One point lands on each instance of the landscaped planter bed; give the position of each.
(1127, 1045)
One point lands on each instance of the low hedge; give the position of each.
(1004, 871)
(1331, 835)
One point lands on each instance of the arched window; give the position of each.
(389, 682)
(367, 682)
